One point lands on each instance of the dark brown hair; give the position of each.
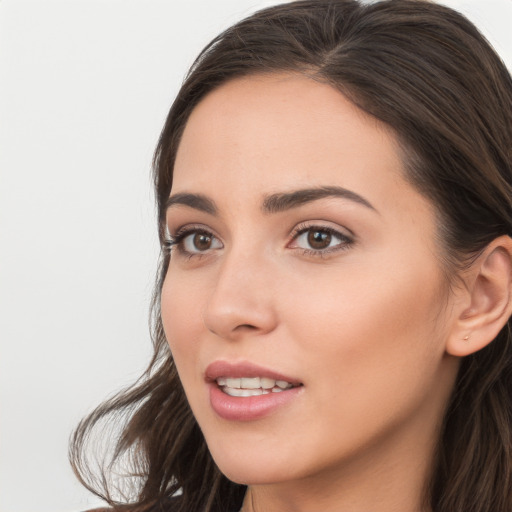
(425, 71)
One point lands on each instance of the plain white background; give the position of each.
(85, 86)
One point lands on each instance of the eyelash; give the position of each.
(345, 241)
(175, 242)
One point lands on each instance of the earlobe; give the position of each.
(487, 304)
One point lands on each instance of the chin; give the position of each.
(252, 468)
(251, 475)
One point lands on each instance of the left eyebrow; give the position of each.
(285, 201)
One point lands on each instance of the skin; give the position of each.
(362, 324)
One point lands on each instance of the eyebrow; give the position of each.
(285, 201)
(196, 201)
(273, 203)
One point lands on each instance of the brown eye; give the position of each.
(196, 242)
(202, 242)
(319, 239)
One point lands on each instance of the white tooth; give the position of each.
(276, 390)
(234, 383)
(251, 383)
(221, 381)
(233, 391)
(267, 383)
(245, 392)
(283, 384)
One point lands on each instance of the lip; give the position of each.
(252, 408)
(243, 369)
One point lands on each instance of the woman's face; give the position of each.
(304, 303)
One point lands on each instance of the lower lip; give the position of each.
(236, 408)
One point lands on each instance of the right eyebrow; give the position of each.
(196, 201)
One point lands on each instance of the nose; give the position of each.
(241, 303)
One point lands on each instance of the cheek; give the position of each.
(364, 304)
(375, 336)
(182, 321)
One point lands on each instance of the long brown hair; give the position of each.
(425, 71)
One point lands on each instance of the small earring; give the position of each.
(466, 338)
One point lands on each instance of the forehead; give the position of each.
(272, 133)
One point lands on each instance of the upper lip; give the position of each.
(243, 369)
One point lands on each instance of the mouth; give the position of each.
(243, 391)
(252, 386)
(244, 379)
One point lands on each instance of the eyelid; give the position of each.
(188, 228)
(323, 224)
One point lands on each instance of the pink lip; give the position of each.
(247, 408)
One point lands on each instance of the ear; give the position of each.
(486, 300)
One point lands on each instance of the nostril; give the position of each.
(248, 327)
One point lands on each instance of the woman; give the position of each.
(331, 313)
